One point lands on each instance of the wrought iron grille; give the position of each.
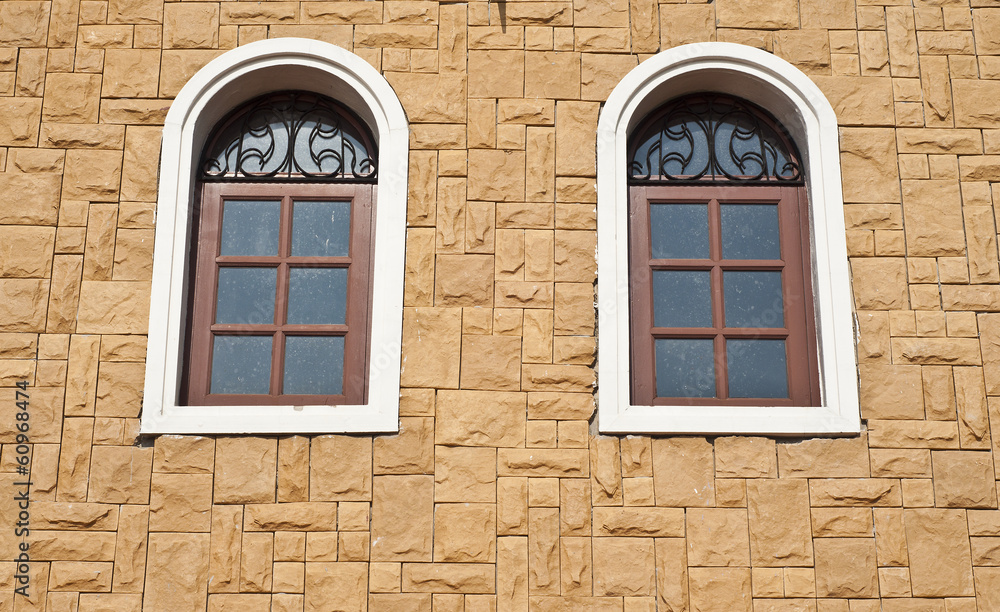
(706, 138)
(291, 136)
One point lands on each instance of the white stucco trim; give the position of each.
(802, 108)
(232, 78)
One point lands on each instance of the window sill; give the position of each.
(271, 420)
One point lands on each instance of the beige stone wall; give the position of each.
(527, 509)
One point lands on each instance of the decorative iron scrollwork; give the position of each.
(291, 135)
(712, 138)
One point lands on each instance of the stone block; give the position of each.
(779, 520)
(745, 457)
(718, 537)
(854, 492)
(900, 463)
(624, 566)
(465, 474)
(130, 549)
(460, 422)
(120, 475)
(131, 73)
(336, 586)
(463, 280)
(964, 479)
(402, 522)
(544, 377)
(683, 473)
(638, 522)
(842, 522)
(245, 470)
(411, 451)
(720, 589)
(191, 26)
(184, 455)
(25, 24)
(180, 502)
(891, 391)
(939, 553)
(449, 577)
(845, 567)
(496, 175)
(29, 199)
(565, 463)
(340, 468)
(465, 533)
(294, 516)
(19, 121)
(79, 576)
(227, 542)
(26, 252)
(62, 515)
(576, 124)
(860, 101)
(936, 351)
(824, 458)
(436, 334)
(431, 98)
(72, 98)
(976, 103)
(551, 75)
(177, 571)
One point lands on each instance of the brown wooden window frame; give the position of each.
(799, 329)
(196, 380)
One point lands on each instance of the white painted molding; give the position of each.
(224, 83)
(797, 102)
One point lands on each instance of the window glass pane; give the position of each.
(321, 229)
(678, 231)
(757, 368)
(685, 368)
(314, 365)
(682, 298)
(317, 296)
(246, 295)
(250, 228)
(753, 299)
(750, 231)
(241, 364)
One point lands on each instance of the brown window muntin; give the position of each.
(799, 329)
(208, 261)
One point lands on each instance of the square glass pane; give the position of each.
(753, 299)
(678, 231)
(757, 368)
(250, 227)
(246, 296)
(314, 365)
(750, 231)
(682, 298)
(685, 367)
(317, 296)
(241, 364)
(321, 229)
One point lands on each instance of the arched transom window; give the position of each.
(280, 311)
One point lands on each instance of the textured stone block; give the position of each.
(435, 334)
(780, 532)
(465, 474)
(402, 521)
(718, 537)
(683, 473)
(411, 451)
(939, 554)
(720, 588)
(29, 199)
(449, 577)
(340, 468)
(460, 422)
(964, 479)
(180, 502)
(177, 571)
(465, 533)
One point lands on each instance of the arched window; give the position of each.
(277, 293)
(723, 291)
(282, 273)
(721, 301)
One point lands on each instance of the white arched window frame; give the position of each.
(790, 95)
(223, 84)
